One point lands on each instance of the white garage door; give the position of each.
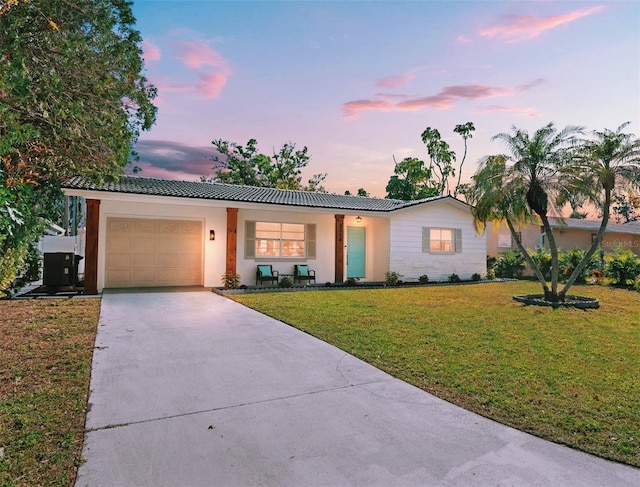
(150, 253)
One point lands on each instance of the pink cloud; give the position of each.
(462, 39)
(394, 81)
(527, 111)
(443, 100)
(196, 54)
(212, 84)
(151, 52)
(520, 28)
(351, 109)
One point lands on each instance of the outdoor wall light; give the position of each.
(358, 220)
(212, 234)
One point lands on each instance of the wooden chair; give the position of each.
(303, 273)
(265, 273)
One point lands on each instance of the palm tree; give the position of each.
(537, 162)
(610, 160)
(531, 181)
(493, 198)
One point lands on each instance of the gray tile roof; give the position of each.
(246, 194)
(593, 225)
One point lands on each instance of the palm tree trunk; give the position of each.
(528, 258)
(455, 191)
(594, 245)
(552, 295)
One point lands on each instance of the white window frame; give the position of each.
(456, 241)
(279, 243)
(252, 241)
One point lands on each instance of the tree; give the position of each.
(244, 165)
(414, 179)
(607, 163)
(360, 192)
(441, 158)
(73, 101)
(531, 180)
(495, 198)
(626, 207)
(411, 181)
(465, 130)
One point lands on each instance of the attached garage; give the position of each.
(153, 253)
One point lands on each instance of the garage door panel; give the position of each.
(117, 261)
(191, 261)
(121, 243)
(119, 278)
(143, 260)
(172, 244)
(119, 226)
(144, 226)
(169, 261)
(142, 244)
(151, 252)
(191, 228)
(168, 228)
(143, 277)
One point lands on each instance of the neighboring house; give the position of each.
(569, 233)
(153, 232)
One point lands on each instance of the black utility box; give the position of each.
(60, 269)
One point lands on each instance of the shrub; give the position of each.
(636, 284)
(569, 260)
(351, 281)
(595, 277)
(622, 266)
(285, 281)
(423, 279)
(476, 277)
(454, 278)
(509, 265)
(392, 278)
(230, 280)
(542, 257)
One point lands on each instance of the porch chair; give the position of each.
(265, 273)
(303, 273)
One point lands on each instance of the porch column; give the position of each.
(91, 247)
(232, 240)
(339, 258)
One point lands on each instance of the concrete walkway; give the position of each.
(190, 389)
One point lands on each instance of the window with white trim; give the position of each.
(441, 240)
(279, 240)
(504, 238)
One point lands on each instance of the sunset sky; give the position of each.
(357, 82)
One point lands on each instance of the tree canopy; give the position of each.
(244, 165)
(73, 100)
(415, 179)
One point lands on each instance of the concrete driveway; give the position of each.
(190, 389)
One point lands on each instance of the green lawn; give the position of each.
(46, 347)
(570, 376)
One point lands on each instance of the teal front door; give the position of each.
(356, 252)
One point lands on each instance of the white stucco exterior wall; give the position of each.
(322, 264)
(407, 257)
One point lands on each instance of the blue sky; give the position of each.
(357, 82)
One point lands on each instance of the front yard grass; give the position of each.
(45, 363)
(566, 375)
